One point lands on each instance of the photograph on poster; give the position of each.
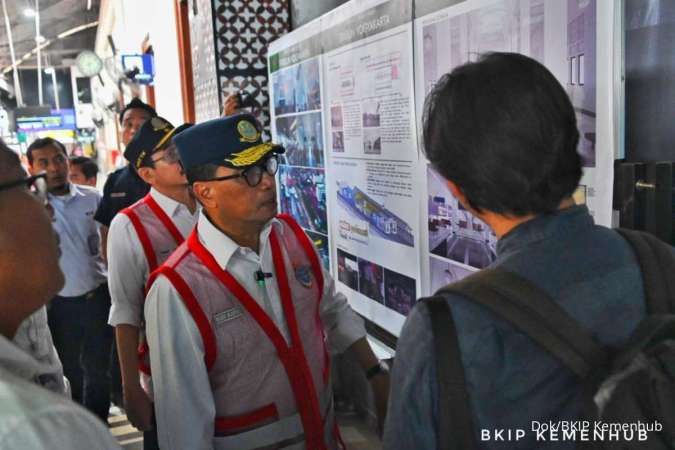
(454, 233)
(297, 88)
(371, 113)
(385, 223)
(348, 269)
(371, 280)
(399, 292)
(302, 194)
(445, 272)
(519, 26)
(302, 137)
(372, 141)
(338, 141)
(336, 116)
(321, 243)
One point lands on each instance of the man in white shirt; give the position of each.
(140, 238)
(32, 417)
(241, 318)
(78, 314)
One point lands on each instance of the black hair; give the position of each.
(9, 161)
(504, 131)
(201, 172)
(42, 143)
(87, 165)
(137, 103)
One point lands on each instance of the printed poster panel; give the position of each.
(561, 34)
(297, 124)
(372, 156)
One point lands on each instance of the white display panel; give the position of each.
(347, 93)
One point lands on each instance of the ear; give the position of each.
(147, 174)
(457, 193)
(204, 194)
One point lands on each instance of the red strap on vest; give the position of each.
(313, 423)
(226, 426)
(164, 218)
(308, 247)
(190, 302)
(292, 358)
(142, 236)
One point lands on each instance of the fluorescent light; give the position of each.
(29, 12)
(88, 5)
(49, 70)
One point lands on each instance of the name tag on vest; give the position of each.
(227, 315)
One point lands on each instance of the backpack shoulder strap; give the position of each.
(535, 314)
(453, 399)
(658, 266)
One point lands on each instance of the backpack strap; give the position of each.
(453, 400)
(534, 313)
(657, 264)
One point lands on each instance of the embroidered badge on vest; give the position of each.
(304, 275)
(227, 315)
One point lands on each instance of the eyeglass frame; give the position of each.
(261, 165)
(40, 189)
(169, 148)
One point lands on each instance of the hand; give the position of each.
(231, 105)
(138, 407)
(380, 385)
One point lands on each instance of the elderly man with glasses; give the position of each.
(241, 319)
(30, 416)
(141, 237)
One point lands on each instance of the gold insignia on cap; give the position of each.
(139, 160)
(158, 124)
(247, 131)
(250, 155)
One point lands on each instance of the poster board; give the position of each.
(389, 229)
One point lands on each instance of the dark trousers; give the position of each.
(83, 339)
(150, 440)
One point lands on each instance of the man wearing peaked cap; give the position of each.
(241, 319)
(141, 237)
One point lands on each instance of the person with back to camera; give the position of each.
(503, 133)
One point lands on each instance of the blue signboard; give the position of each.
(58, 119)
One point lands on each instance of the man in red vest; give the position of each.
(241, 319)
(141, 237)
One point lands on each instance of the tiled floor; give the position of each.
(356, 434)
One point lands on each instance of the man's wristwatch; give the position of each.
(380, 367)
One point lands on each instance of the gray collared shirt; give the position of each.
(81, 260)
(588, 269)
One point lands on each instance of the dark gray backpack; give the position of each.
(632, 384)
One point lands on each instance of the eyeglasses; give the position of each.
(37, 184)
(253, 175)
(170, 155)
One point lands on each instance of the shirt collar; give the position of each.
(168, 205)
(220, 245)
(546, 226)
(18, 362)
(73, 191)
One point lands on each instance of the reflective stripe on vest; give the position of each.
(282, 433)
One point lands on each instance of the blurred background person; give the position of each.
(83, 171)
(78, 314)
